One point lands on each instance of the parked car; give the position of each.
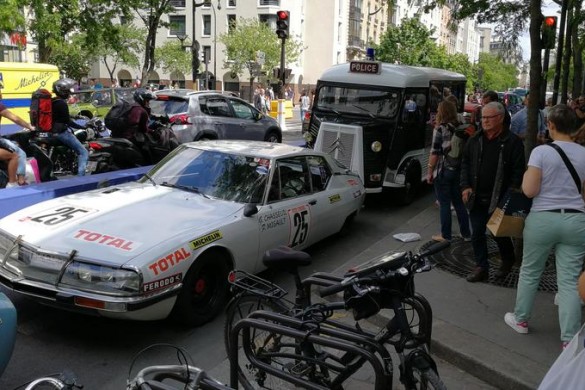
(512, 101)
(166, 243)
(207, 115)
(97, 102)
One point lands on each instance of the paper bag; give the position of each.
(508, 218)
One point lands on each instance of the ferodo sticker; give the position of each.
(169, 261)
(334, 198)
(162, 283)
(300, 223)
(106, 240)
(57, 216)
(205, 240)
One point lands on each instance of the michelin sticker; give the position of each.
(205, 240)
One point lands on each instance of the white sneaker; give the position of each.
(520, 327)
(10, 185)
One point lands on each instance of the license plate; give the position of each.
(91, 166)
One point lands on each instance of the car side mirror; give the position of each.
(250, 209)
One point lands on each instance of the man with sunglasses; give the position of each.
(492, 164)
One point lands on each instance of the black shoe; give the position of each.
(478, 275)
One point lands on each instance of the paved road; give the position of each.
(101, 351)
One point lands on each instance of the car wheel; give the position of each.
(205, 290)
(272, 137)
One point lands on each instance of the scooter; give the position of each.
(126, 154)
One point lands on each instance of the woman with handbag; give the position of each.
(445, 163)
(554, 179)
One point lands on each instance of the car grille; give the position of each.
(339, 144)
(28, 263)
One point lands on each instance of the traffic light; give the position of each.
(549, 32)
(282, 22)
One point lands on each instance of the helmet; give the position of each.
(142, 95)
(63, 87)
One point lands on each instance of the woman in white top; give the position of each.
(305, 104)
(556, 220)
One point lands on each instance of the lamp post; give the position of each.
(215, 43)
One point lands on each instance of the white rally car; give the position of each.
(165, 244)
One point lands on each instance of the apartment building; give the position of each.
(332, 32)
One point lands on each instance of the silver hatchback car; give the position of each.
(205, 115)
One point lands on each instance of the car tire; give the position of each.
(273, 137)
(205, 290)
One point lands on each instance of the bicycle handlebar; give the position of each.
(412, 265)
(192, 377)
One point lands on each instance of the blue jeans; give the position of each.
(448, 192)
(479, 217)
(303, 114)
(69, 139)
(21, 169)
(543, 231)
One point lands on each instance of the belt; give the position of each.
(565, 211)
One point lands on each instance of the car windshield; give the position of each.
(219, 175)
(359, 101)
(169, 107)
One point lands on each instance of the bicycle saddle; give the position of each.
(285, 258)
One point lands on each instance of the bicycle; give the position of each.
(386, 282)
(65, 380)
(182, 375)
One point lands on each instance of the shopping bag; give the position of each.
(567, 371)
(508, 218)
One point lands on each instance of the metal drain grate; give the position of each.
(458, 260)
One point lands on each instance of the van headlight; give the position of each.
(376, 146)
(101, 279)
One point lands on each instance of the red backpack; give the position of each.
(41, 110)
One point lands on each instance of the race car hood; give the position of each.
(118, 223)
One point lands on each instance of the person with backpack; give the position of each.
(62, 123)
(135, 118)
(444, 170)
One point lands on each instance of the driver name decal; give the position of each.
(162, 283)
(205, 240)
(170, 260)
(300, 222)
(272, 220)
(107, 240)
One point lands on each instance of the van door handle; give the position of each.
(313, 202)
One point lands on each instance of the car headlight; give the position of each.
(376, 146)
(101, 279)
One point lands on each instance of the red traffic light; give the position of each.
(550, 21)
(282, 15)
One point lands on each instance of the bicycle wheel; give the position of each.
(427, 379)
(263, 343)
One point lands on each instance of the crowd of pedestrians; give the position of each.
(493, 164)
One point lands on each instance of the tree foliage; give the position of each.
(123, 47)
(494, 74)
(249, 36)
(11, 18)
(172, 57)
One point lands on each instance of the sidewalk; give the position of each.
(469, 330)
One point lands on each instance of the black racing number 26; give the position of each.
(301, 228)
(58, 216)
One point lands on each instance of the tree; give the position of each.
(495, 74)
(173, 58)
(409, 44)
(151, 12)
(72, 58)
(11, 18)
(123, 47)
(249, 36)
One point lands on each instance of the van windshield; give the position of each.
(361, 101)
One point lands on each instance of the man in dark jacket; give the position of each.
(492, 164)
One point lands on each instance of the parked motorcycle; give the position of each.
(126, 154)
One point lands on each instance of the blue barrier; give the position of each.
(16, 198)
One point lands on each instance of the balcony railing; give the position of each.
(264, 3)
(178, 3)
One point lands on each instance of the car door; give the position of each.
(216, 116)
(247, 116)
(292, 211)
